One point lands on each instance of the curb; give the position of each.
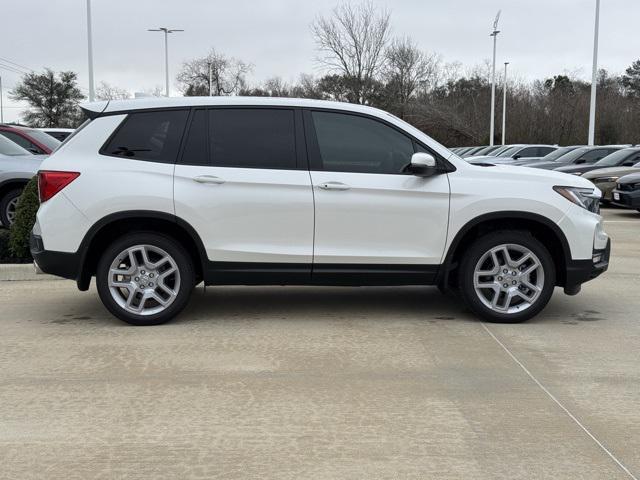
(14, 272)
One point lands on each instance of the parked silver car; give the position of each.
(17, 166)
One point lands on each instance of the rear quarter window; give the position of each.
(150, 136)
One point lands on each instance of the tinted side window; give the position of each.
(529, 152)
(196, 149)
(595, 155)
(350, 143)
(542, 151)
(252, 138)
(152, 136)
(20, 140)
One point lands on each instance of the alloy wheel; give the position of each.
(144, 279)
(508, 278)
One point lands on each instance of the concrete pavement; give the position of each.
(305, 382)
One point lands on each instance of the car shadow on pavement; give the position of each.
(322, 303)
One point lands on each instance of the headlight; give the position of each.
(605, 179)
(588, 198)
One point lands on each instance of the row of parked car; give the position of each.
(614, 169)
(22, 149)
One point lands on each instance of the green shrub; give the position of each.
(25, 218)
(5, 255)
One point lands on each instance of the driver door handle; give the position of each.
(209, 179)
(334, 186)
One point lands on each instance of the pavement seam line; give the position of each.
(557, 402)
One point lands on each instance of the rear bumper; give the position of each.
(61, 264)
(581, 271)
(626, 199)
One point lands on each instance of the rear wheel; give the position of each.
(507, 277)
(145, 278)
(8, 205)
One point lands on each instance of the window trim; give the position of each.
(181, 139)
(299, 144)
(313, 148)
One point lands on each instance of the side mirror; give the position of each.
(422, 164)
(581, 161)
(517, 156)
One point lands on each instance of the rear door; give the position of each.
(243, 184)
(369, 212)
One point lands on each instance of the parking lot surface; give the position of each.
(307, 382)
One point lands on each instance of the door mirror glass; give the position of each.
(422, 164)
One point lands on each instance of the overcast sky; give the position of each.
(539, 37)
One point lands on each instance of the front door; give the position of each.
(371, 216)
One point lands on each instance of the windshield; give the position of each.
(572, 155)
(498, 151)
(43, 138)
(509, 152)
(616, 158)
(7, 147)
(556, 154)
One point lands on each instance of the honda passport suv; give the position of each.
(154, 196)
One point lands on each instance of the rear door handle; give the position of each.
(209, 179)
(334, 186)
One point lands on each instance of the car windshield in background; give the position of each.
(615, 158)
(556, 154)
(7, 147)
(508, 152)
(43, 138)
(498, 151)
(571, 156)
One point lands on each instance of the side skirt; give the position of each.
(240, 273)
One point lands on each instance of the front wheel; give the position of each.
(507, 277)
(145, 278)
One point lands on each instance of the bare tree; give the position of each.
(352, 41)
(409, 69)
(105, 91)
(215, 73)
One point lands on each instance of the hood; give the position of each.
(537, 175)
(544, 165)
(633, 178)
(480, 159)
(576, 168)
(610, 172)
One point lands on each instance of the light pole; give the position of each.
(166, 31)
(592, 106)
(504, 104)
(494, 34)
(90, 51)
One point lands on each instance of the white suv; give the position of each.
(153, 196)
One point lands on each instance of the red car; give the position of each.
(35, 141)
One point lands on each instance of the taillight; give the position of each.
(50, 182)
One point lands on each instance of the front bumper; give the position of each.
(61, 264)
(581, 271)
(629, 199)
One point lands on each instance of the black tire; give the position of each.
(481, 246)
(5, 202)
(169, 245)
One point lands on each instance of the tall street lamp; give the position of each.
(592, 106)
(166, 31)
(494, 34)
(504, 104)
(90, 52)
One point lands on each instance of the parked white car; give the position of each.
(17, 167)
(153, 196)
